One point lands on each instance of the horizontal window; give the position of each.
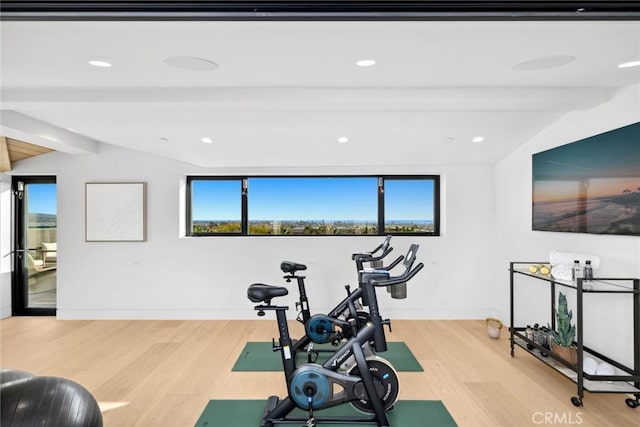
(313, 205)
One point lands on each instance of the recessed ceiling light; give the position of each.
(190, 63)
(478, 139)
(629, 64)
(343, 140)
(544, 63)
(366, 63)
(97, 63)
(207, 140)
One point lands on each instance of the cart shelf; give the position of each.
(629, 382)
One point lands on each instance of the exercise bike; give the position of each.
(334, 327)
(291, 269)
(371, 385)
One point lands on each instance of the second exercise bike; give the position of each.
(371, 385)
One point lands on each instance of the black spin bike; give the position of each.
(371, 385)
(334, 326)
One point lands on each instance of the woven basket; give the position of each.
(493, 327)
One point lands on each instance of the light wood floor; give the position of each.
(163, 373)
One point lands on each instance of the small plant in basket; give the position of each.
(565, 333)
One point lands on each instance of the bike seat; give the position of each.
(291, 267)
(259, 292)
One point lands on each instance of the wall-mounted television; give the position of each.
(590, 186)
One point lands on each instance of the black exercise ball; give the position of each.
(47, 402)
(8, 376)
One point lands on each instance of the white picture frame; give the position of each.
(115, 212)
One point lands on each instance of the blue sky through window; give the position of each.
(42, 198)
(216, 200)
(313, 199)
(408, 199)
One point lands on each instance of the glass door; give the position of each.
(36, 252)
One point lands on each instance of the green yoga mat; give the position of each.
(258, 356)
(248, 413)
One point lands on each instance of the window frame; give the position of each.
(243, 206)
(245, 193)
(436, 204)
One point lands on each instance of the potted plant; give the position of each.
(565, 332)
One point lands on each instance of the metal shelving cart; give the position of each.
(628, 383)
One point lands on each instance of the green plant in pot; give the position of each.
(565, 332)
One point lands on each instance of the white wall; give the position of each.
(171, 276)
(5, 246)
(486, 223)
(608, 319)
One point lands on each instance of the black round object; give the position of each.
(386, 383)
(631, 403)
(309, 386)
(9, 376)
(47, 402)
(576, 401)
(320, 329)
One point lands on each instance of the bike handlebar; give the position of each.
(393, 264)
(383, 246)
(369, 257)
(403, 278)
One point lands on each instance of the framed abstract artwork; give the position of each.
(115, 212)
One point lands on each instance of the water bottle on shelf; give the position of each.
(536, 333)
(575, 272)
(543, 340)
(587, 275)
(529, 335)
(529, 332)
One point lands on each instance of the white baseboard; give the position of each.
(71, 314)
(64, 314)
(5, 312)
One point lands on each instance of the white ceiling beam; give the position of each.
(543, 99)
(25, 128)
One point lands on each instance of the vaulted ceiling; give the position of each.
(283, 93)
